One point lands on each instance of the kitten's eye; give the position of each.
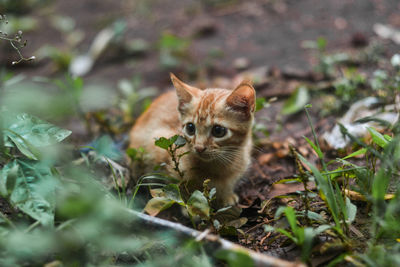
(218, 131)
(190, 128)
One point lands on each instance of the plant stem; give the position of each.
(114, 178)
(315, 138)
(32, 226)
(172, 152)
(304, 180)
(344, 170)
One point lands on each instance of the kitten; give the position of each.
(217, 124)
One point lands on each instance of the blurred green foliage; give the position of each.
(60, 212)
(173, 50)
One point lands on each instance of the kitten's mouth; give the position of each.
(204, 156)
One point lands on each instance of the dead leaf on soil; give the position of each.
(284, 189)
(265, 158)
(303, 150)
(238, 222)
(158, 204)
(281, 153)
(359, 197)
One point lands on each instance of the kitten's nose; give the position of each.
(199, 149)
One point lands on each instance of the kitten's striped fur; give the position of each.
(222, 159)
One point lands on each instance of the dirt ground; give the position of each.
(227, 38)
(266, 33)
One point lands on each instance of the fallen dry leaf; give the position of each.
(265, 158)
(303, 150)
(277, 145)
(353, 195)
(281, 153)
(284, 189)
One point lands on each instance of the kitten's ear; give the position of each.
(243, 98)
(184, 91)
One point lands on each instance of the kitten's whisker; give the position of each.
(259, 149)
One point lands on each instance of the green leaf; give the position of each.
(377, 137)
(173, 139)
(380, 184)
(171, 42)
(288, 181)
(268, 228)
(238, 222)
(227, 230)
(288, 234)
(12, 177)
(279, 212)
(158, 204)
(387, 137)
(315, 148)
(296, 101)
(172, 192)
(325, 185)
(351, 211)
(260, 102)
(322, 228)
(221, 210)
(23, 145)
(321, 43)
(217, 224)
(212, 193)
(131, 153)
(381, 122)
(163, 142)
(180, 141)
(356, 153)
(33, 190)
(312, 215)
(8, 179)
(159, 176)
(291, 217)
(39, 133)
(197, 204)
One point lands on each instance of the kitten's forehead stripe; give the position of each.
(206, 109)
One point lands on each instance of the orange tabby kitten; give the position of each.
(217, 124)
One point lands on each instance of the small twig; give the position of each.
(315, 138)
(304, 179)
(32, 226)
(203, 235)
(66, 224)
(213, 242)
(17, 39)
(265, 237)
(175, 160)
(258, 225)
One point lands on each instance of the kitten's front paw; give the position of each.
(230, 200)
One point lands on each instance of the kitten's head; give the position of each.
(217, 122)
